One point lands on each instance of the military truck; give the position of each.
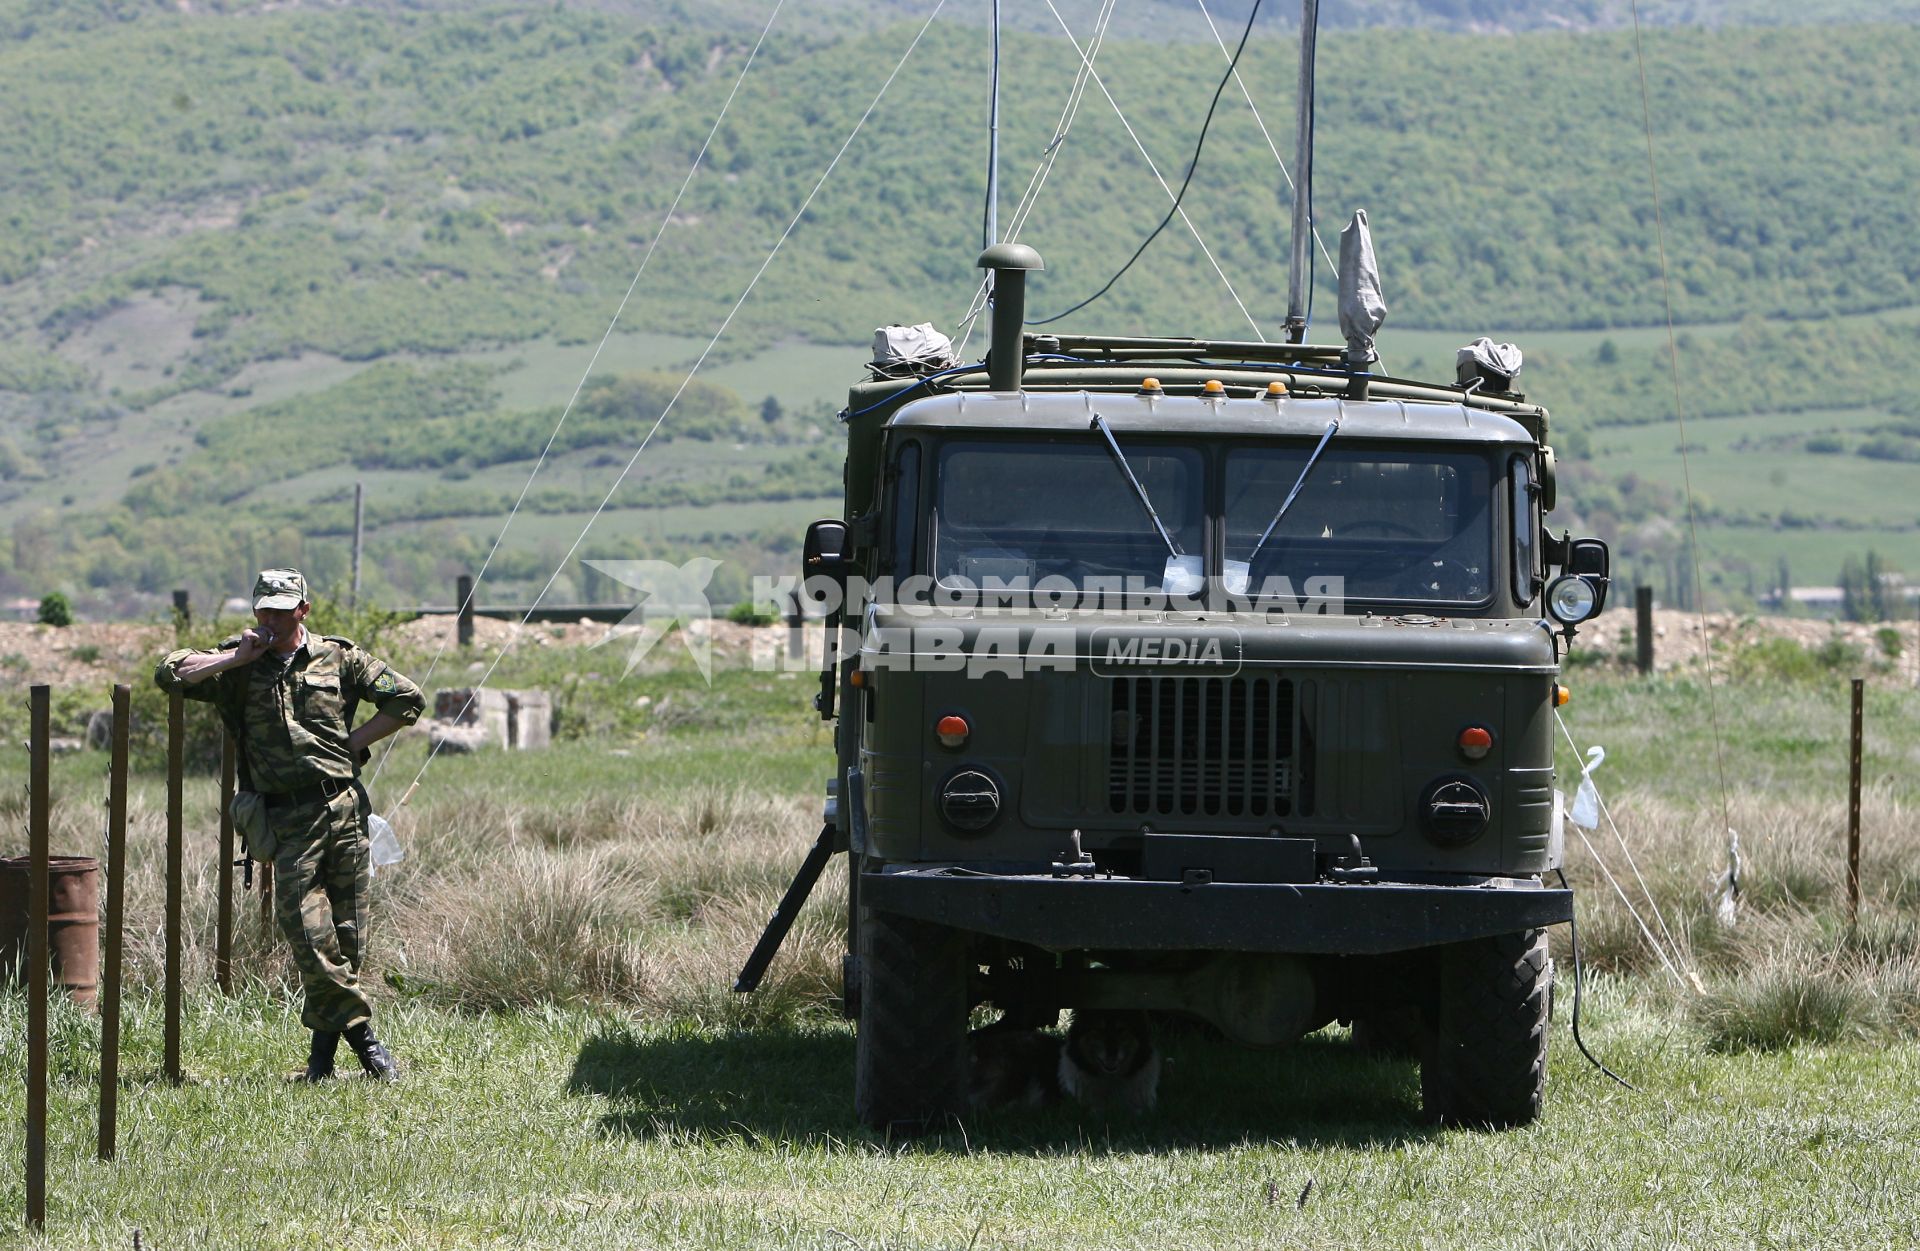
(1209, 678)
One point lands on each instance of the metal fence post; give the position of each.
(1853, 802)
(176, 751)
(39, 706)
(116, 910)
(223, 928)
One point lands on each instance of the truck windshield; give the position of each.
(1040, 509)
(1393, 525)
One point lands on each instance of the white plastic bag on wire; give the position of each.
(1586, 801)
(382, 847)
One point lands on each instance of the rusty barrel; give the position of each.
(73, 922)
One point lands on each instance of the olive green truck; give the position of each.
(1207, 678)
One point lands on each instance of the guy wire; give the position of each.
(1049, 156)
(666, 219)
(691, 372)
(1261, 122)
(1680, 416)
(1192, 167)
(1652, 904)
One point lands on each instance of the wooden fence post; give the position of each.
(1643, 628)
(463, 592)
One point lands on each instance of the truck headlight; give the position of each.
(1572, 599)
(969, 800)
(1455, 811)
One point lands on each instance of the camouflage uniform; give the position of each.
(291, 721)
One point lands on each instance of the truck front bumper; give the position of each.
(1124, 914)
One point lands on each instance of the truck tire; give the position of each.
(910, 1053)
(1487, 1067)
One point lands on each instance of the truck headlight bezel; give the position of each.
(1572, 599)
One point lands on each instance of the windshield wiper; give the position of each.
(1295, 493)
(1140, 492)
(1183, 574)
(1241, 572)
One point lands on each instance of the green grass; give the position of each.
(583, 1130)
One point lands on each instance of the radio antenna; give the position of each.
(990, 228)
(1299, 275)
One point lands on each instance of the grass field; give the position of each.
(583, 1130)
(558, 943)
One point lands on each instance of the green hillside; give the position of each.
(406, 227)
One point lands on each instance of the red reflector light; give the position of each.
(1475, 742)
(952, 731)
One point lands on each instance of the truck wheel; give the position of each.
(1487, 1067)
(910, 1055)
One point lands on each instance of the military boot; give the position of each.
(374, 1057)
(320, 1055)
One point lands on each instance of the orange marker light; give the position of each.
(857, 678)
(1561, 695)
(1276, 389)
(1475, 742)
(1150, 385)
(1213, 386)
(952, 731)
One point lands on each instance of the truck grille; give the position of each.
(1193, 746)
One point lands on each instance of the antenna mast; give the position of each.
(991, 228)
(1299, 275)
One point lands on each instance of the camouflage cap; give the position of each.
(279, 588)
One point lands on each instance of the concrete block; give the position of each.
(532, 719)
(484, 707)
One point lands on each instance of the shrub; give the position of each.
(746, 612)
(1783, 660)
(55, 611)
(1889, 640)
(364, 625)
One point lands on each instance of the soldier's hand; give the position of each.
(253, 642)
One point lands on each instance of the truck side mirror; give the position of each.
(825, 554)
(1588, 557)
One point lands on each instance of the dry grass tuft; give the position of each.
(1790, 969)
(539, 927)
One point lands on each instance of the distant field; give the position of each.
(1759, 464)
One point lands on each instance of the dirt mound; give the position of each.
(80, 655)
(102, 653)
(1680, 639)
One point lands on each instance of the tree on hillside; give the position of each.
(1853, 599)
(1867, 589)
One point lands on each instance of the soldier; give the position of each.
(288, 697)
